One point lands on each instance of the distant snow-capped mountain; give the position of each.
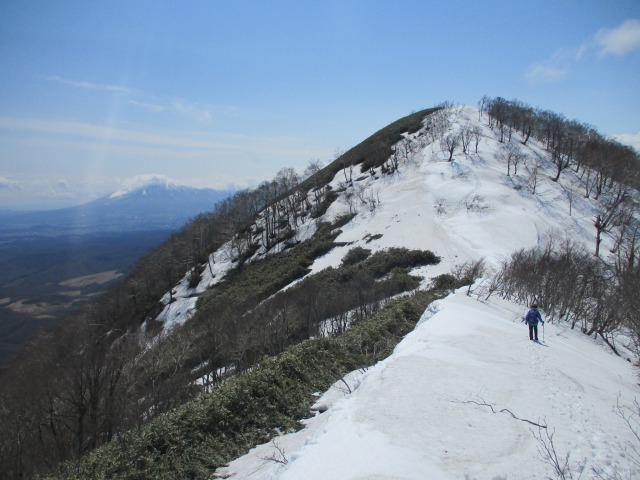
(150, 207)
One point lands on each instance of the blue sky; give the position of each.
(95, 95)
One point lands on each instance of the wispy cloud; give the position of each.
(550, 71)
(546, 72)
(28, 192)
(115, 88)
(199, 114)
(194, 111)
(619, 41)
(7, 183)
(149, 107)
(153, 142)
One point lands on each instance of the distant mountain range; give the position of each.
(52, 262)
(152, 207)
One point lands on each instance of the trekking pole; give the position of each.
(543, 333)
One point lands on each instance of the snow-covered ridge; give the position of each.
(466, 395)
(463, 210)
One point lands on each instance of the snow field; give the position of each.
(426, 411)
(442, 406)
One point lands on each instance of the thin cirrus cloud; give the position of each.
(154, 142)
(552, 70)
(115, 88)
(621, 40)
(191, 110)
(147, 106)
(546, 72)
(199, 114)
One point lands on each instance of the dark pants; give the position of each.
(533, 332)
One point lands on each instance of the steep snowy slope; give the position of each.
(466, 395)
(444, 406)
(463, 210)
(468, 208)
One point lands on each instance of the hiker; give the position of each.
(532, 319)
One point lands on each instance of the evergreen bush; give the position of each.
(209, 431)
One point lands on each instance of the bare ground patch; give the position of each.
(96, 278)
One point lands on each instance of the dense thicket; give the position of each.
(572, 285)
(212, 429)
(600, 161)
(248, 315)
(376, 150)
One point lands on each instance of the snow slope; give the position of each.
(427, 411)
(435, 409)
(468, 208)
(462, 210)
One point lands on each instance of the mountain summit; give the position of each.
(152, 205)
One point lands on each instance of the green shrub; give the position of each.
(209, 431)
(355, 255)
(445, 281)
(330, 197)
(343, 219)
(373, 151)
(384, 261)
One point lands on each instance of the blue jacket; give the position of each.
(537, 319)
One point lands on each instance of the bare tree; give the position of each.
(439, 121)
(313, 167)
(534, 175)
(570, 193)
(609, 215)
(482, 104)
(278, 455)
(511, 154)
(449, 144)
(562, 466)
(466, 133)
(476, 134)
(394, 159)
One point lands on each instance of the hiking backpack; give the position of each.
(532, 317)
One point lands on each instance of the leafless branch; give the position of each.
(278, 455)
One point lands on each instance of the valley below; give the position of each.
(46, 277)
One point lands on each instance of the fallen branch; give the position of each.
(493, 410)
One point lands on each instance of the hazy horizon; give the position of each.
(96, 95)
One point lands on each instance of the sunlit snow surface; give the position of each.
(421, 414)
(425, 412)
